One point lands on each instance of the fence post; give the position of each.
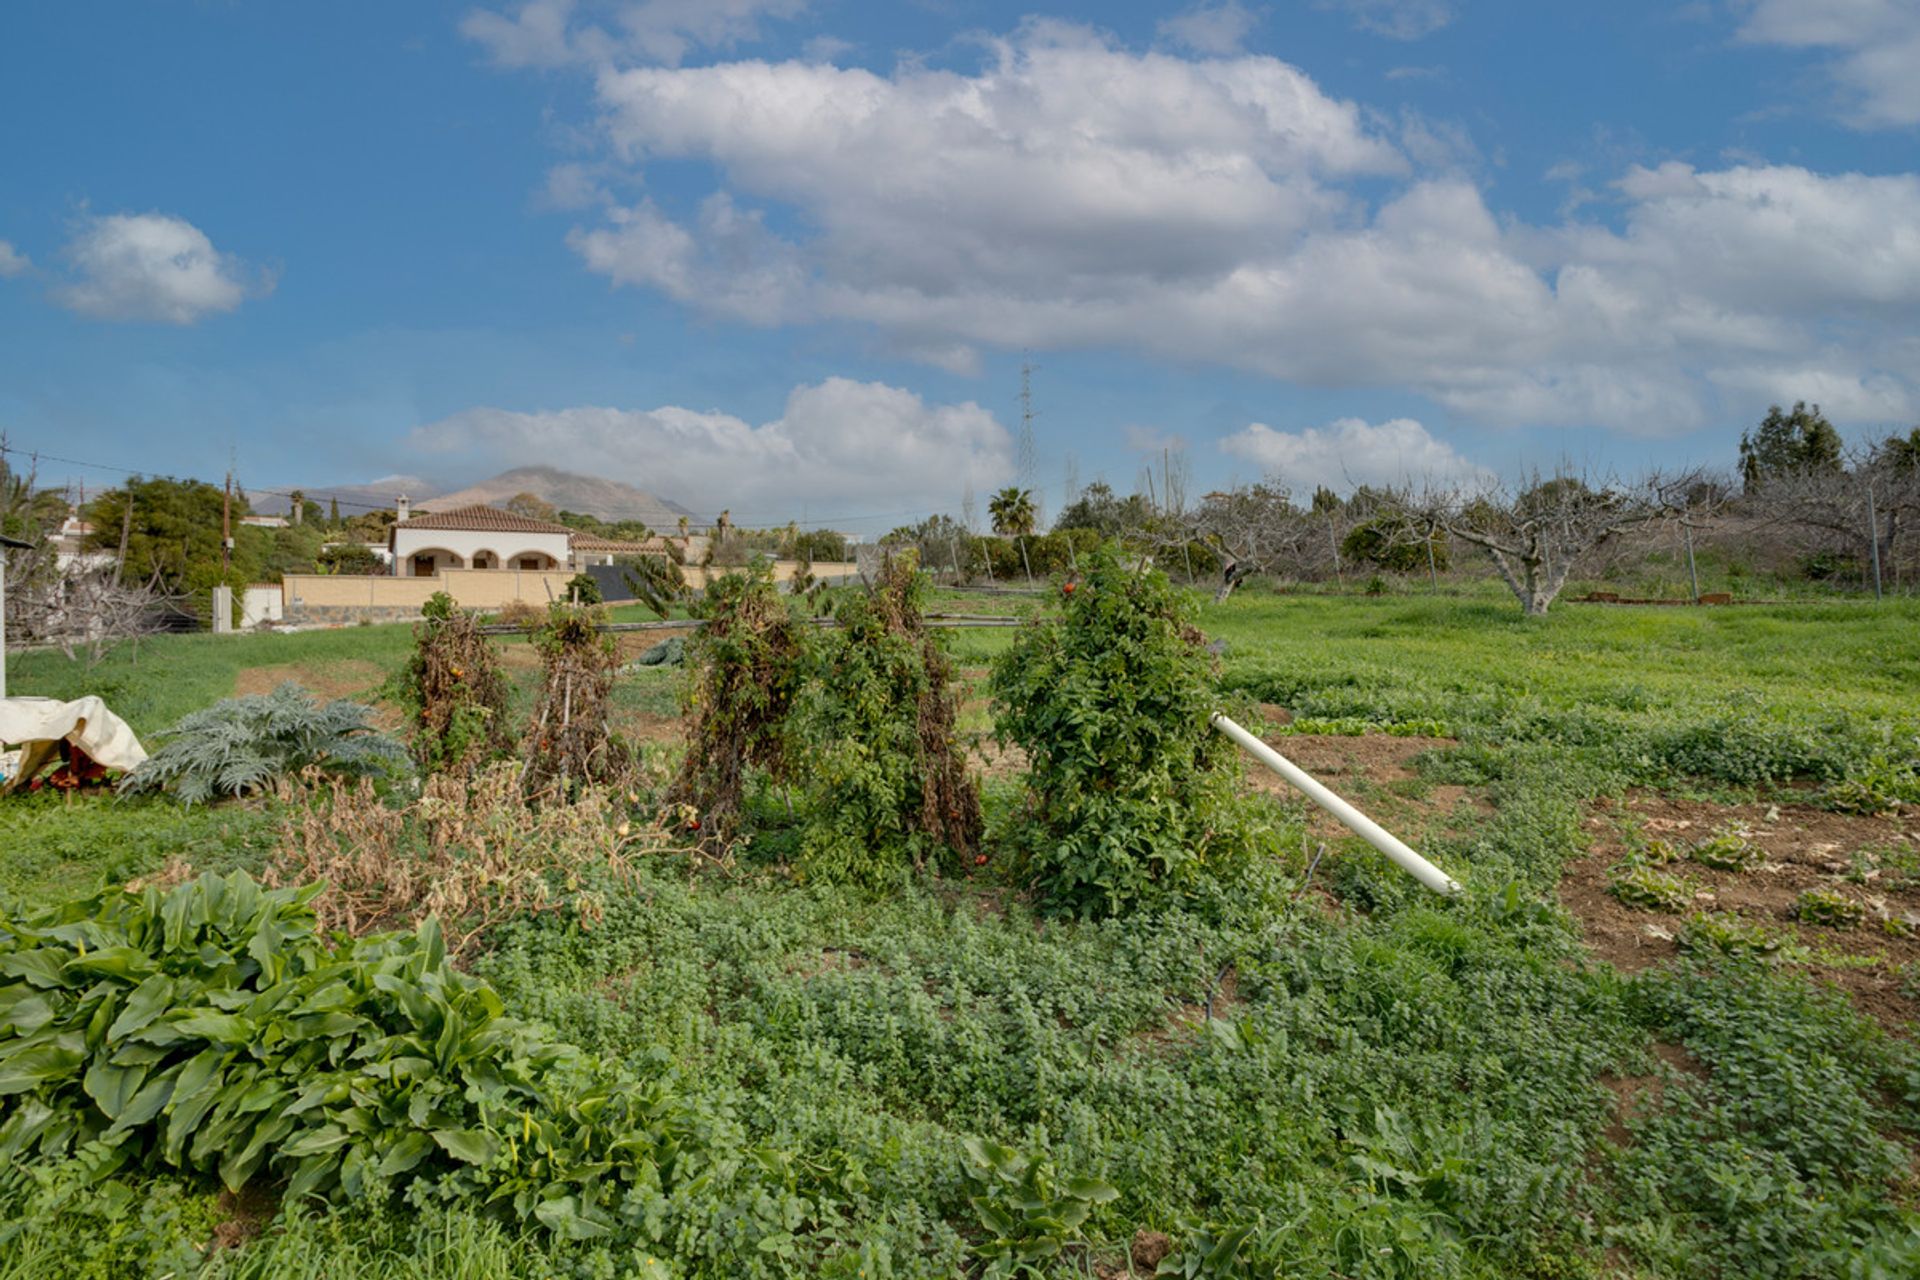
(1873, 539)
(1693, 574)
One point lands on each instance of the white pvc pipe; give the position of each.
(1354, 820)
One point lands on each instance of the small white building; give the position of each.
(475, 537)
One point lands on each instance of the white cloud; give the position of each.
(1070, 193)
(1218, 29)
(12, 261)
(151, 266)
(1833, 386)
(1351, 452)
(1874, 48)
(1398, 19)
(1140, 439)
(556, 33)
(836, 445)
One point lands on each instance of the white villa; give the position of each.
(481, 537)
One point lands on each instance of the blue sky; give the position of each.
(789, 255)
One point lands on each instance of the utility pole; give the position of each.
(226, 527)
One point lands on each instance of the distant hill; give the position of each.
(607, 499)
(353, 498)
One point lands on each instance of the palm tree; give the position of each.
(1012, 512)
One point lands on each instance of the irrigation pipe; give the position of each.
(1351, 818)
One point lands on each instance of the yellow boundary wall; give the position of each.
(473, 588)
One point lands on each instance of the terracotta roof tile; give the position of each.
(483, 519)
(616, 546)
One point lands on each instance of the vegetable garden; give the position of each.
(978, 954)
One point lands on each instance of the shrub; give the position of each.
(452, 689)
(748, 662)
(584, 588)
(1828, 908)
(349, 558)
(887, 782)
(521, 613)
(1388, 544)
(569, 746)
(469, 851)
(1130, 794)
(1651, 890)
(241, 745)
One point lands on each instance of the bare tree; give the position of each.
(1534, 536)
(1862, 510)
(1255, 529)
(70, 601)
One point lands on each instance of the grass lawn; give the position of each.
(1356, 1079)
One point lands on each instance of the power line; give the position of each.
(37, 457)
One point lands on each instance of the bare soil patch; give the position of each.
(1805, 849)
(356, 678)
(346, 678)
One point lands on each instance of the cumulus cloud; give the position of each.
(1398, 19)
(1071, 192)
(1351, 452)
(1873, 48)
(836, 444)
(556, 33)
(1211, 28)
(151, 266)
(12, 261)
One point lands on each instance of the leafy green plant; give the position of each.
(583, 588)
(1029, 1212)
(887, 783)
(1730, 934)
(1828, 908)
(210, 1029)
(1659, 853)
(1130, 794)
(1728, 851)
(247, 744)
(1651, 890)
(1880, 785)
(1206, 1251)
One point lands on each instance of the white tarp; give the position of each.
(85, 722)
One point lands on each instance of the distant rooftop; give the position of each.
(483, 519)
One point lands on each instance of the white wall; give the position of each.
(261, 604)
(505, 548)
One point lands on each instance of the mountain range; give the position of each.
(565, 490)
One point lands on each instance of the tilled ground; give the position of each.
(1873, 861)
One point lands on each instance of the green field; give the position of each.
(1355, 1080)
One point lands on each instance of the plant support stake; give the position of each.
(1351, 818)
